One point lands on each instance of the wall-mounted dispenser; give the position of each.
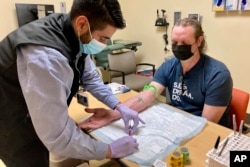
(161, 21)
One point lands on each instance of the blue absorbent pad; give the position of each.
(164, 129)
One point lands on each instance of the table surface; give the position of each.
(198, 146)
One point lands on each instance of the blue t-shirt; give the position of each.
(208, 82)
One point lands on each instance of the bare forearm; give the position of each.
(145, 98)
(140, 101)
(137, 103)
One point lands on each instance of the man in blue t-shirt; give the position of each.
(197, 83)
(206, 84)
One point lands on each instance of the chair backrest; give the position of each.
(101, 59)
(124, 61)
(239, 105)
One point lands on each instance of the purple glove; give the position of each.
(123, 147)
(128, 114)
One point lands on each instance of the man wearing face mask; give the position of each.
(41, 64)
(197, 83)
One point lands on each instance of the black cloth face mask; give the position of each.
(182, 52)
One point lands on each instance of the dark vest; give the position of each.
(54, 31)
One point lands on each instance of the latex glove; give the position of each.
(128, 115)
(123, 147)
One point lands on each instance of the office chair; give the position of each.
(101, 59)
(238, 106)
(123, 69)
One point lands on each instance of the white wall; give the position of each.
(8, 16)
(227, 33)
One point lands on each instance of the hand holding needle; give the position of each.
(130, 124)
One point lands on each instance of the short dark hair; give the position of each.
(198, 30)
(100, 13)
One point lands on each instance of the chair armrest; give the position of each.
(147, 64)
(123, 74)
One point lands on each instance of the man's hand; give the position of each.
(128, 115)
(123, 147)
(100, 117)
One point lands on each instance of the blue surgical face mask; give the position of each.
(93, 47)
